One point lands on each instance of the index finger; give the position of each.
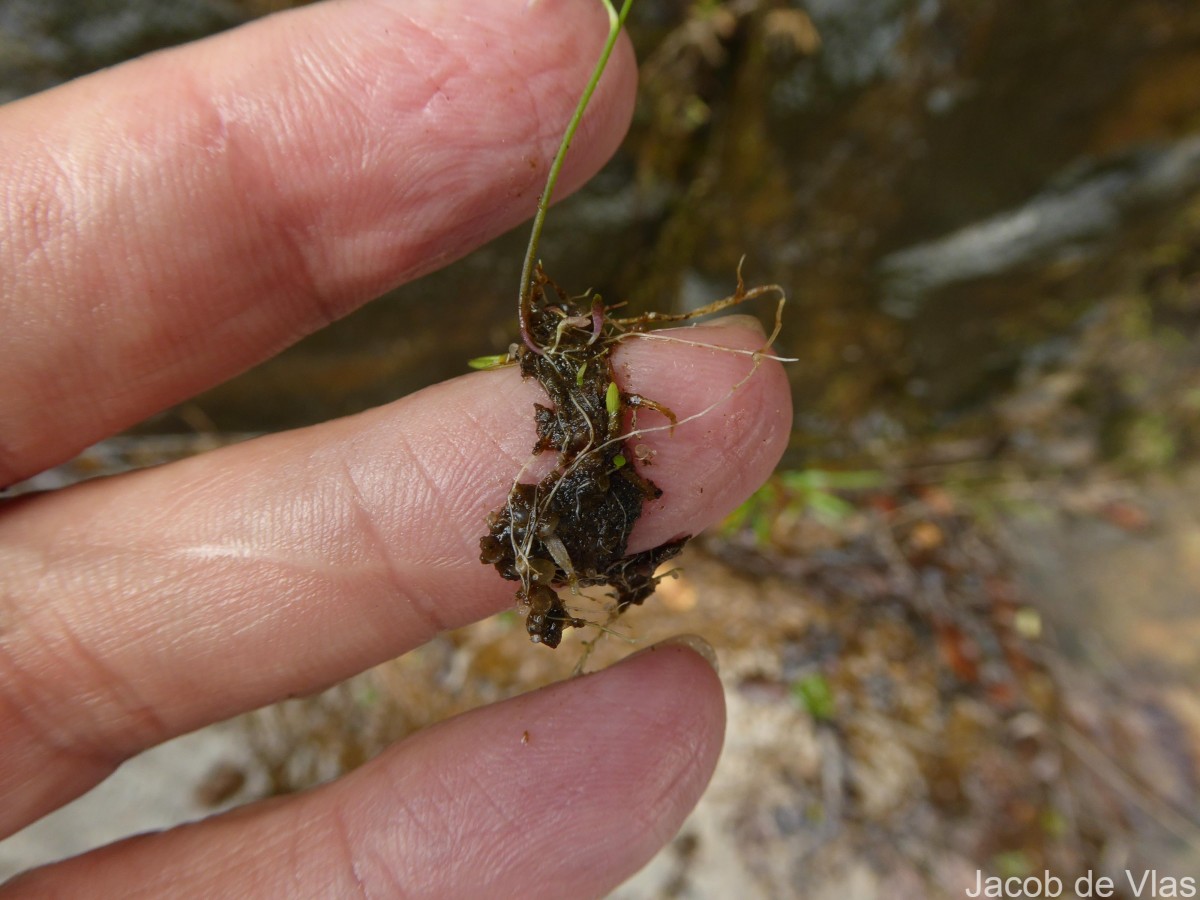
(170, 222)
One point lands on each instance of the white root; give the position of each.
(559, 551)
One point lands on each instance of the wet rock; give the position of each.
(45, 42)
(1054, 221)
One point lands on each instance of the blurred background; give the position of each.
(959, 628)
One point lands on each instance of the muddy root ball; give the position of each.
(571, 529)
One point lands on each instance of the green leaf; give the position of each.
(813, 693)
(828, 508)
(1012, 864)
(368, 697)
(612, 399)
(825, 480)
(488, 362)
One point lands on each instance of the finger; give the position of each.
(144, 606)
(170, 222)
(564, 792)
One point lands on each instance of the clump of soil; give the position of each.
(571, 529)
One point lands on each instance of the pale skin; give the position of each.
(168, 223)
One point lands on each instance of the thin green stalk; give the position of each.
(615, 21)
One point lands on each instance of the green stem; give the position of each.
(615, 21)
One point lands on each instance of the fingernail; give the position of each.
(744, 321)
(691, 641)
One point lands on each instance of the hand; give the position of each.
(167, 224)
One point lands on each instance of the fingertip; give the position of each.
(734, 407)
(581, 782)
(683, 668)
(693, 642)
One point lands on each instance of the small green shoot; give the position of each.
(368, 697)
(1012, 864)
(612, 399)
(1027, 622)
(800, 492)
(619, 461)
(489, 362)
(813, 694)
(1054, 823)
(828, 480)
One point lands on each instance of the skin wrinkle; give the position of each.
(448, 74)
(110, 699)
(454, 201)
(470, 798)
(157, 729)
(25, 706)
(487, 852)
(295, 255)
(451, 830)
(285, 560)
(299, 272)
(138, 588)
(442, 84)
(392, 884)
(347, 851)
(324, 245)
(432, 621)
(423, 604)
(677, 772)
(80, 348)
(85, 761)
(528, 83)
(469, 478)
(448, 491)
(489, 440)
(37, 220)
(415, 831)
(44, 220)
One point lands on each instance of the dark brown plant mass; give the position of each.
(571, 529)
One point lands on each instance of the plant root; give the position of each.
(571, 529)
